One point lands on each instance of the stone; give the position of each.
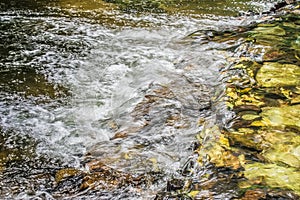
(282, 116)
(272, 175)
(273, 74)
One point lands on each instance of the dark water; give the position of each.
(74, 76)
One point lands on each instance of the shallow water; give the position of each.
(74, 74)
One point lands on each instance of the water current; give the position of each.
(87, 80)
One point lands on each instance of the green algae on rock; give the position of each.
(246, 137)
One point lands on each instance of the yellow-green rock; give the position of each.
(296, 44)
(247, 138)
(272, 175)
(250, 116)
(286, 154)
(269, 30)
(281, 147)
(269, 36)
(269, 138)
(282, 116)
(215, 147)
(273, 74)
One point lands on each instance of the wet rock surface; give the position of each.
(172, 106)
(256, 152)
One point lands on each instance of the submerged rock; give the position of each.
(268, 138)
(283, 116)
(269, 29)
(170, 105)
(23, 171)
(274, 55)
(272, 175)
(278, 75)
(215, 149)
(97, 177)
(259, 146)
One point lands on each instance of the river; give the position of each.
(123, 85)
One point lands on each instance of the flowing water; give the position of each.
(124, 85)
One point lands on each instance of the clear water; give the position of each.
(73, 75)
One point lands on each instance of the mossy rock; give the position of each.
(268, 40)
(296, 44)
